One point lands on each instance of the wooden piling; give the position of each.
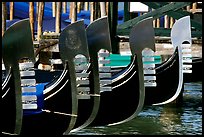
(64, 6)
(4, 16)
(58, 17)
(74, 12)
(53, 9)
(103, 8)
(11, 10)
(166, 21)
(92, 11)
(40, 20)
(86, 6)
(31, 17)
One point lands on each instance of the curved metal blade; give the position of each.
(73, 41)
(98, 38)
(17, 44)
(141, 37)
(99, 35)
(181, 31)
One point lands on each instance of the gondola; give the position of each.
(111, 119)
(56, 112)
(169, 74)
(133, 97)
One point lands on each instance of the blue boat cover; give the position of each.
(40, 99)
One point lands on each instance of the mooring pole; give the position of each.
(11, 10)
(74, 12)
(58, 17)
(31, 17)
(40, 20)
(4, 16)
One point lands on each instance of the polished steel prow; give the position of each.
(180, 33)
(73, 41)
(98, 37)
(17, 44)
(141, 36)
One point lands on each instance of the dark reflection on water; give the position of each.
(161, 120)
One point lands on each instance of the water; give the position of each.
(161, 120)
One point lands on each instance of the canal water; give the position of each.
(161, 120)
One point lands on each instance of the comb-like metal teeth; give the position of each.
(105, 69)
(150, 81)
(104, 82)
(104, 61)
(81, 67)
(104, 88)
(28, 82)
(103, 54)
(29, 102)
(27, 73)
(83, 96)
(150, 84)
(104, 75)
(186, 50)
(25, 66)
(148, 59)
(83, 89)
(187, 60)
(149, 68)
(28, 89)
(83, 82)
(187, 56)
(187, 68)
(82, 74)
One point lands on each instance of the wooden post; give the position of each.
(158, 22)
(171, 22)
(113, 19)
(70, 9)
(78, 7)
(11, 10)
(194, 6)
(74, 12)
(58, 17)
(31, 17)
(107, 7)
(92, 10)
(188, 8)
(166, 21)
(4, 16)
(64, 7)
(103, 8)
(40, 20)
(86, 7)
(98, 13)
(53, 9)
